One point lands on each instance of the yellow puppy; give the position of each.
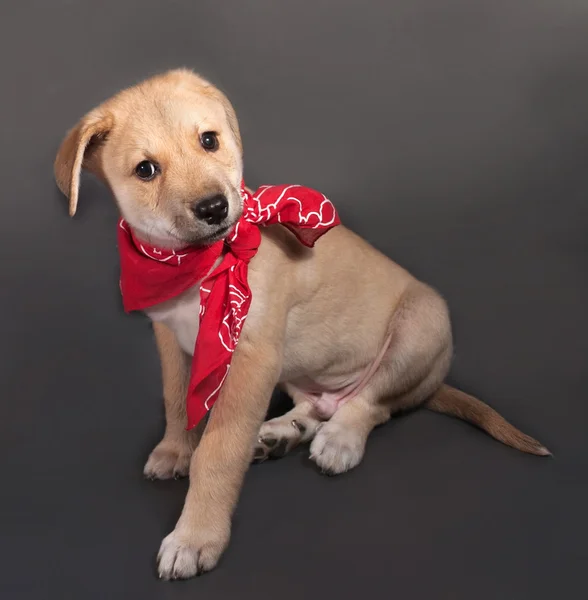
(338, 316)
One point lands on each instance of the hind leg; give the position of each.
(279, 436)
(339, 444)
(415, 366)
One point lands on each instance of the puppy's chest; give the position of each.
(182, 316)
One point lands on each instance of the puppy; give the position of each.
(339, 316)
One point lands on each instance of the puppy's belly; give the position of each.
(328, 393)
(182, 316)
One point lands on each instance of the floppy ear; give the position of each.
(77, 151)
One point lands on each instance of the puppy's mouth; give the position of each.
(217, 235)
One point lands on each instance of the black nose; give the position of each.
(213, 210)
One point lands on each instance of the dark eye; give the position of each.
(209, 141)
(145, 170)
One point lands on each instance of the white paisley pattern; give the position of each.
(172, 257)
(259, 213)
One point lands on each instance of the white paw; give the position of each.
(336, 449)
(168, 460)
(279, 436)
(183, 556)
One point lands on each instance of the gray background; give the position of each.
(452, 134)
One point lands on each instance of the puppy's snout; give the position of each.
(213, 210)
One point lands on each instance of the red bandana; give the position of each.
(150, 276)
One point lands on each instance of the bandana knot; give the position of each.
(151, 275)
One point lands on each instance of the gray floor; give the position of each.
(453, 134)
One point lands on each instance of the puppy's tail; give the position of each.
(450, 401)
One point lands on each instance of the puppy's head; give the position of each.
(170, 151)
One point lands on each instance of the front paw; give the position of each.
(168, 459)
(184, 555)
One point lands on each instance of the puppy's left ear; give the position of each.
(79, 150)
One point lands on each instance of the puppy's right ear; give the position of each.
(79, 150)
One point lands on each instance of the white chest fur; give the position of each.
(182, 315)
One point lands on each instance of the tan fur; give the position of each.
(318, 317)
(171, 457)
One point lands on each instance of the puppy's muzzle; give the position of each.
(212, 210)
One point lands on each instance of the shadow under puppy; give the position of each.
(349, 335)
